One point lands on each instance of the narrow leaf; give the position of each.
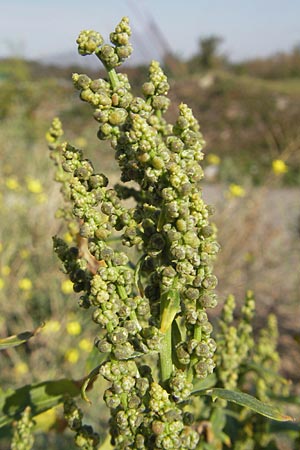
(170, 304)
(206, 383)
(246, 400)
(40, 397)
(89, 379)
(18, 339)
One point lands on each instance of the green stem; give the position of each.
(113, 77)
(194, 359)
(166, 364)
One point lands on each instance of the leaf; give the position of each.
(40, 397)
(18, 339)
(246, 400)
(92, 376)
(170, 304)
(207, 383)
(284, 427)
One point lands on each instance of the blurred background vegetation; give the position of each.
(250, 116)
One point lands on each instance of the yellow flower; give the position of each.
(21, 368)
(235, 190)
(72, 355)
(52, 326)
(12, 183)
(24, 253)
(49, 137)
(1, 284)
(86, 345)
(67, 287)
(34, 186)
(249, 257)
(279, 167)
(68, 238)
(73, 328)
(25, 284)
(214, 159)
(5, 270)
(80, 142)
(41, 198)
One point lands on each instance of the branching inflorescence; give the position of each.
(154, 306)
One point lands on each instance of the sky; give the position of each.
(250, 28)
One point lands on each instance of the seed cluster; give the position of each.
(143, 415)
(85, 437)
(170, 285)
(236, 342)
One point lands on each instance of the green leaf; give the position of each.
(18, 339)
(246, 400)
(170, 304)
(284, 427)
(206, 383)
(92, 376)
(40, 397)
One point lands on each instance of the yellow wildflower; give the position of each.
(235, 190)
(68, 238)
(34, 185)
(21, 368)
(24, 253)
(41, 198)
(25, 284)
(214, 159)
(72, 355)
(49, 137)
(1, 284)
(5, 271)
(73, 328)
(52, 326)
(86, 345)
(67, 287)
(12, 183)
(80, 142)
(279, 167)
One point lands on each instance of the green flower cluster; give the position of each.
(235, 343)
(90, 41)
(95, 268)
(143, 415)
(245, 363)
(156, 304)
(23, 438)
(85, 437)
(267, 357)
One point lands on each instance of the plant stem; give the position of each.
(166, 364)
(197, 336)
(113, 77)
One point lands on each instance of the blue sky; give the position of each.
(37, 28)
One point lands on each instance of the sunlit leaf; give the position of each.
(18, 339)
(206, 383)
(40, 397)
(246, 400)
(92, 376)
